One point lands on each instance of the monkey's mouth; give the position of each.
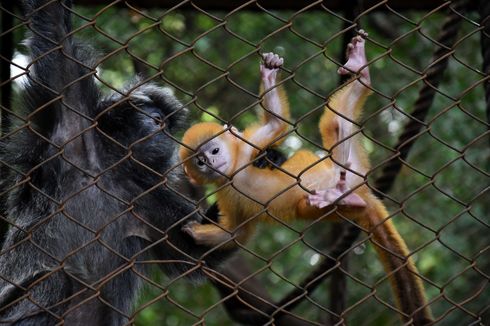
(217, 168)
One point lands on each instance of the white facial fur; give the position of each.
(214, 158)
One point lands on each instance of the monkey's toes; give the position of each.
(356, 57)
(355, 44)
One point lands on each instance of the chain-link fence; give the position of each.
(92, 200)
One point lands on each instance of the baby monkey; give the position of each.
(213, 154)
(304, 186)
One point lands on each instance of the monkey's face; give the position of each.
(208, 153)
(214, 158)
(144, 124)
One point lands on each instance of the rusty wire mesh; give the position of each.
(426, 125)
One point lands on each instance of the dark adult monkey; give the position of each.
(86, 191)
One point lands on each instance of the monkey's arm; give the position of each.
(207, 234)
(276, 108)
(60, 65)
(221, 234)
(60, 80)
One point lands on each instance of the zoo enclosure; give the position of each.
(450, 120)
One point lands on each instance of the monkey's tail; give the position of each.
(403, 275)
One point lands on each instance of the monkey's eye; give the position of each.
(201, 161)
(157, 119)
(215, 151)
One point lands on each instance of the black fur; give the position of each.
(270, 158)
(89, 188)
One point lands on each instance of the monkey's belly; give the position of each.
(281, 189)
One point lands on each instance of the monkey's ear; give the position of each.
(191, 179)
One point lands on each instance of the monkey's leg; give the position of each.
(207, 234)
(336, 129)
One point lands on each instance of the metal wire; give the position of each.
(433, 76)
(199, 36)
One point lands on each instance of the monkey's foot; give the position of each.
(327, 197)
(269, 68)
(356, 58)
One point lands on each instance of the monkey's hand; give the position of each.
(269, 68)
(206, 234)
(337, 195)
(189, 228)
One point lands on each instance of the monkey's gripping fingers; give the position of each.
(272, 61)
(206, 234)
(190, 229)
(269, 68)
(327, 197)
